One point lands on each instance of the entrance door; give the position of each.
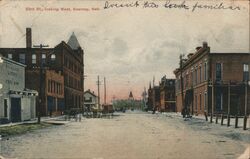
(15, 109)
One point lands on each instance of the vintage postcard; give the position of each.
(124, 79)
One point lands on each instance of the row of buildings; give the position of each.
(206, 82)
(56, 73)
(162, 97)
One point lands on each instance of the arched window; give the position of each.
(53, 57)
(33, 58)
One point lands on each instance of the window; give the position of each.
(200, 75)
(58, 88)
(54, 87)
(187, 76)
(9, 56)
(33, 58)
(218, 71)
(200, 101)
(245, 72)
(193, 77)
(48, 85)
(5, 108)
(196, 75)
(22, 58)
(53, 57)
(205, 71)
(196, 105)
(43, 58)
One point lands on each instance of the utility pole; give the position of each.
(98, 86)
(181, 63)
(245, 116)
(41, 82)
(153, 81)
(228, 106)
(104, 90)
(83, 79)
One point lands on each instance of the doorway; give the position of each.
(15, 109)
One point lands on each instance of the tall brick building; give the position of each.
(167, 95)
(153, 98)
(213, 82)
(62, 74)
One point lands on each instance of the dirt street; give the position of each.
(130, 136)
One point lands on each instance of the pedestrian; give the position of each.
(183, 112)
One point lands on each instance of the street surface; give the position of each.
(131, 135)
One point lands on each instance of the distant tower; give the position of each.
(131, 100)
(144, 97)
(130, 97)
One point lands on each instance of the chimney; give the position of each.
(204, 44)
(190, 55)
(198, 48)
(28, 38)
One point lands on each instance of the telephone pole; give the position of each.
(181, 70)
(98, 86)
(105, 90)
(41, 82)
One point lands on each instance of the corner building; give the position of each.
(62, 73)
(213, 82)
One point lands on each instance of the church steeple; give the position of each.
(130, 95)
(73, 42)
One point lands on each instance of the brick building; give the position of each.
(153, 98)
(150, 98)
(213, 82)
(167, 95)
(62, 72)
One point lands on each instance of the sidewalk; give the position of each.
(33, 121)
(202, 117)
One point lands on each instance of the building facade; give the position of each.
(61, 65)
(16, 102)
(150, 98)
(167, 95)
(90, 100)
(154, 98)
(213, 82)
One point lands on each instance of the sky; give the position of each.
(127, 45)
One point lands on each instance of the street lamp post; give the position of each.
(212, 109)
(245, 116)
(41, 80)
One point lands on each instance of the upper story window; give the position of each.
(187, 80)
(218, 71)
(33, 58)
(200, 74)
(196, 75)
(22, 58)
(245, 72)
(53, 57)
(205, 71)
(43, 58)
(9, 56)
